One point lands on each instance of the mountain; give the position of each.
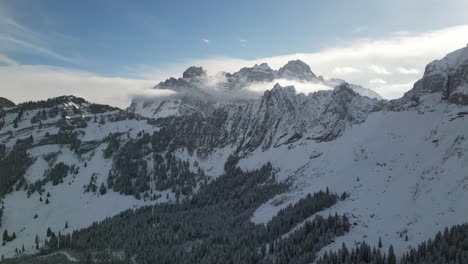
(357, 88)
(5, 102)
(198, 92)
(296, 70)
(218, 181)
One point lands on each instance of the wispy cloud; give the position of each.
(360, 29)
(7, 60)
(206, 41)
(379, 69)
(16, 37)
(404, 70)
(345, 70)
(243, 43)
(377, 81)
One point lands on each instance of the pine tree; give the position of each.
(391, 259)
(102, 189)
(6, 237)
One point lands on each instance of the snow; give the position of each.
(450, 62)
(412, 172)
(68, 203)
(157, 108)
(213, 165)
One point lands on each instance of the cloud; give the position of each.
(404, 70)
(379, 69)
(301, 87)
(206, 41)
(243, 43)
(393, 90)
(6, 60)
(377, 81)
(360, 29)
(15, 37)
(34, 82)
(345, 70)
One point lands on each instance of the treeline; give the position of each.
(293, 214)
(212, 227)
(14, 164)
(53, 102)
(301, 246)
(131, 174)
(450, 247)
(362, 253)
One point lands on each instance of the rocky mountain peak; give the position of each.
(264, 67)
(194, 73)
(447, 77)
(296, 70)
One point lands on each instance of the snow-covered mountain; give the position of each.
(66, 163)
(196, 91)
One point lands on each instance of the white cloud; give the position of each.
(243, 43)
(206, 41)
(6, 60)
(379, 69)
(377, 81)
(301, 87)
(394, 90)
(30, 82)
(404, 70)
(345, 70)
(360, 29)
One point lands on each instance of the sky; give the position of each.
(107, 51)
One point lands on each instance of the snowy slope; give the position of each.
(68, 203)
(412, 171)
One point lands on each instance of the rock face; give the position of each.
(447, 77)
(194, 74)
(246, 76)
(296, 70)
(334, 82)
(280, 116)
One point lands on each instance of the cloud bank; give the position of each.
(24, 83)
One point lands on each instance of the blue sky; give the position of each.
(135, 39)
